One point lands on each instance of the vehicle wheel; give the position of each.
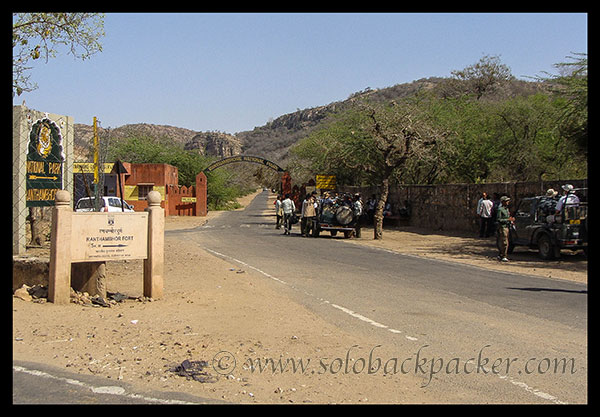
(546, 248)
(333, 232)
(348, 234)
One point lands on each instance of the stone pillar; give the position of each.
(59, 280)
(154, 264)
(201, 195)
(89, 277)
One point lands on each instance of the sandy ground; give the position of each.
(215, 312)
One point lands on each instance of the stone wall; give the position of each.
(453, 206)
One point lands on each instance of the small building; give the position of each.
(137, 182)
(143, 178)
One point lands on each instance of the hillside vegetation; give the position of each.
(496, 127)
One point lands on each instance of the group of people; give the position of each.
(312, 205)
(495, 214)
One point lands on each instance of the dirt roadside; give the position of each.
(215, 310)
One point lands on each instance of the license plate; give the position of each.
(574, 221)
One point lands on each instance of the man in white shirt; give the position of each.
(484, 211)
(289, 208)
(569, 199)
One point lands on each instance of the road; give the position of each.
(487, 337)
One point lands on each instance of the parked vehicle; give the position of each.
(337, 216)
(538, 228)
(107, 204)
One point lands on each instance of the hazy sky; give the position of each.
(233, 72)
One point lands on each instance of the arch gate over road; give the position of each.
(243, 158)
(201, 181)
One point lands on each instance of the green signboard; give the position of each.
(45, 159)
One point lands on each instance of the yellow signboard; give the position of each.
(88, 168)
(188, 199)
(326, 182)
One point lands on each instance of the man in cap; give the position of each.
(504, 221)
(568, 199)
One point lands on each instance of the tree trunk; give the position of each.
(378, 225)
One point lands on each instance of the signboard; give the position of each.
(109, 236)
(326, 182)
(188, 199)
(45, 159)
(88, 168)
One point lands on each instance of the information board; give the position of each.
(109, 236)
(45, 159)
(326, 182)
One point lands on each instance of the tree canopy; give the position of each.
(468, 129)
(40, 35)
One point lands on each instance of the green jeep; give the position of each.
(536, 226)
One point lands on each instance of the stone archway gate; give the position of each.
(201, 182)
(243, 158)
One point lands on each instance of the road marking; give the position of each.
(103, 389)
(534, 391)
(519, 384)
(343, 309)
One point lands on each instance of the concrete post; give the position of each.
(59, 280)
(154, 264)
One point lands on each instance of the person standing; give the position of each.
(309, 213)
(568, 199)
(371, 205)
(288, 208)
(278, 212)
(495, 207)
(484, 211)
(357, 209)
(504, 222)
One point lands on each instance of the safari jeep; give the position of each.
(536, 228)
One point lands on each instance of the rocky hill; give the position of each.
(274, 139)
(207, 143)
(215, 144)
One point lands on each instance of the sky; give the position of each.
(231, 72)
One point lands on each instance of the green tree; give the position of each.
(374, 140)
(39, 35)
(572, 85)
(222, 189)
(484, 77)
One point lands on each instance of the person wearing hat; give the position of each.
(504, 221)
(548, 203)
(568, 199)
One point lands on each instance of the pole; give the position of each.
(96, 176)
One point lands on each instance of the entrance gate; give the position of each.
(201, 183)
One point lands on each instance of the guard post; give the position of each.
(91, 237)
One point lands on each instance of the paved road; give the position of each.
(454, 315)
(36, 383)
